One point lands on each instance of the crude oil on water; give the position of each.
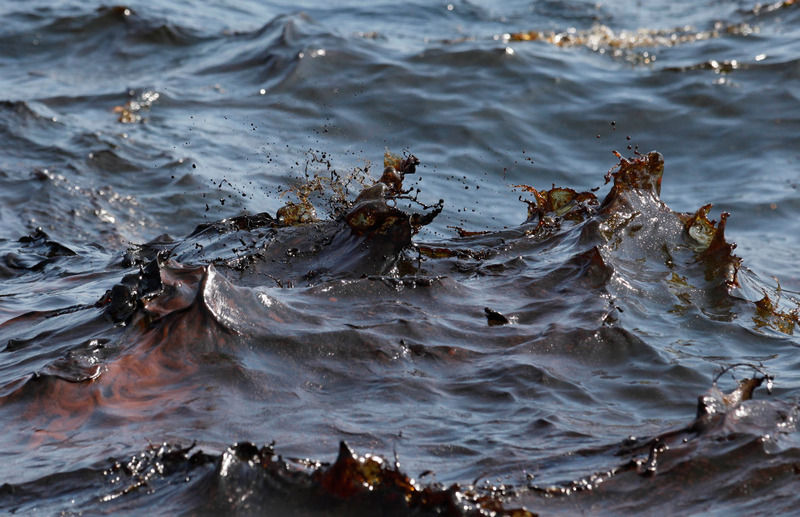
(399, 258)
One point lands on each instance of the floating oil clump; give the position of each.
(769, 314)
(249, 479)
(715, 251)
(562, 202)
(643, 173)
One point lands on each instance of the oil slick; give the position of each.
(276, 285)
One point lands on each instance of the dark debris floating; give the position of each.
(351, 485)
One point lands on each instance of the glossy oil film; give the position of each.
(421, 258)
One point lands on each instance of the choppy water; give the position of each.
(550, 361)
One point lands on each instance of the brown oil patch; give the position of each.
(561, 202)
(721, 263)
(303, 211)
(466, 233)
(699, 227)
(709, 239)
(743, 391)
(293, 214)
(641, 172)
(398, 162)
(371, 213)
(436, 252)
(353, 477)
(769, 315)
(150, 378)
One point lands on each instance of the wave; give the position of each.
(282, 312)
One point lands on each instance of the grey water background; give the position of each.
(235, 100)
